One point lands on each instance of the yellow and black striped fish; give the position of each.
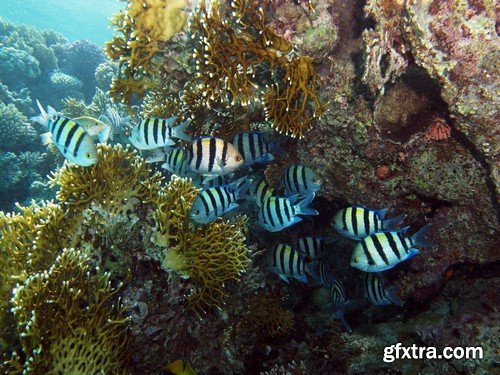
(360, 222)
(338, 298)
(68, 136)
(286, 262)
(175, 161)
(382, 251)
(260, 190)
(153, 133)
(253, 147)
(377, 293)
(301, 180)
(212, 156)
(277, 213)
(312, 247)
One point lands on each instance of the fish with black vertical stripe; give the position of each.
(286, 262)
(153, 133)
(260, 190)
(277, 213)
(301, 180)
(382, 251)
(213, 202)
(254, 147)
(338, 298)
(213, 157)
(379, 294)
(70, 138)
(359, 222)
(312, 247)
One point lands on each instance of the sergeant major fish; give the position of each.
(301, 180)
(312, 247)
(260, 190)
(68, 136)
(382, 251)
(253, 147)
(175, 161)
(278, 213)
(337, 296)
(153, 133)
(213, 202)
(213, 157)
(377, 293)
(286, 262)
(360, 222)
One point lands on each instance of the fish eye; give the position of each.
(237, 158)
(87, 155)
(197, 212)
(355, 260)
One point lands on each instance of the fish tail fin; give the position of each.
(340, 316)
(310, 269)
(158, 155)
(242, 189)
(179, 131)
(392, 223)
(391, 294)
(43, 118)
(419, 238)
(381, 213)
(302, 209)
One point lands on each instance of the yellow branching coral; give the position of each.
(266, 315)
(211, 254)
(117, 182)
(238, 56)
(287, 105)
(144, 25)
(65, 312)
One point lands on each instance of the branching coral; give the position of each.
(118, 182)
(144, 26)
(239, 55)
(211, 255)
(64, 313)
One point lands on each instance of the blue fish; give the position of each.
(254, 147)
(286, 262)
(377, 293)
(360, 222)
(301, 180)
(337, 296)
(278, 213)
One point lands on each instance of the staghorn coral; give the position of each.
(211, 255)
(238, 55)
(118, 182)
(144, 25)
(65, 313)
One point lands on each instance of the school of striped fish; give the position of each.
(224, 172)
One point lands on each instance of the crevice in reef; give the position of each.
(434, 204)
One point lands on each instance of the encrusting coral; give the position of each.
(212, 254)
(143, 25)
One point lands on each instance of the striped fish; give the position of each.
(68, 136)
(301, 180)
(337, 296)
(382, 251)
(312, 247)
(360, 222)
(218, 181)
(253, 147)
(213, 202)
(286, 262)
(377, 294)
(277, 213)
(175, 161)
(214, 157)
(153, 133)
(260, 190)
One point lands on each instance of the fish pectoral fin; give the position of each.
(46, 138)
(283, 277)
(232, 206)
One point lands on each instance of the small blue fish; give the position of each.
(175, 161)
(153, 133)
(70, 138)
(254, 147)
(312, 247)
(360, 222)
(301, 180)
(377, 293)
(382, 251)
(260, 190)
(278, 213)
(286, 262)
(337, 296)
(213, 202)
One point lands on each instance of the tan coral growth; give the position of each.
(69, 303)
(117, 182)
(211, 254)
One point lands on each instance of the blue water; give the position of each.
(75, 19)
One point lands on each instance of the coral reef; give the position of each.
(144, 25)
(63, 86)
